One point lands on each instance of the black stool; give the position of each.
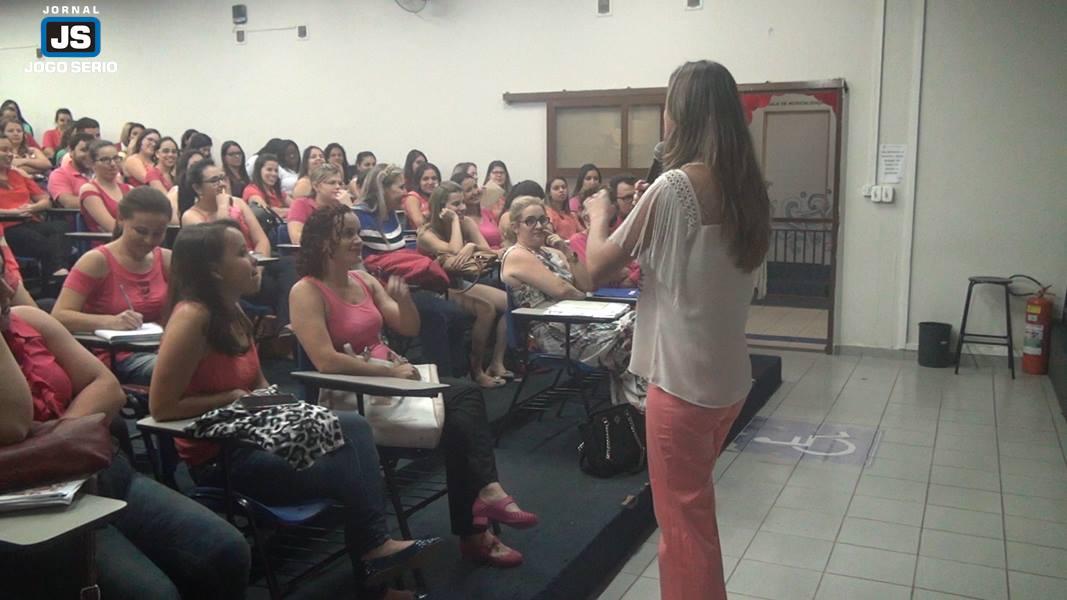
(982, 338)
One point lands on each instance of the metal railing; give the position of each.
(801, 241)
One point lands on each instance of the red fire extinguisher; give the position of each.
(1038, 333)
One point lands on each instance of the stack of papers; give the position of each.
(585, 308)
(148, 332)
(56, 494)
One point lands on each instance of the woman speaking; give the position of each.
(698, 231)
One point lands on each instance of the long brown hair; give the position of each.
(710, 127)
(438, 201)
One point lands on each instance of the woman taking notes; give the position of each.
(700, 230)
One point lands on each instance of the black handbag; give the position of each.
(613, 442)
(268, 219)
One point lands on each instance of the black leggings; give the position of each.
(44, 240)
(467, 441)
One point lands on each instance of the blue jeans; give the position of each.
(137, 368)
(162, 546)
(442, 329)
(349, 475)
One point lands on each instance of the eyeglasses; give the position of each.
(215, 179)
(109, 160)
(532, 221)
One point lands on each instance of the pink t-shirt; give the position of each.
(66, 179)
(273, 199)
(357, 324)
(52, 139)
(301, 209)
(565, 224)
(111, 204)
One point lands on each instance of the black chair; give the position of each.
(985, 338)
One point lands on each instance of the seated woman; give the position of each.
(123, 283)
(381, 232)
(33, 237)
(29, 160)
(628, 276)
(208, 360)
(564, 222)
(163, 545)
(206, 184)
(165, 175)
(416, 202)
(498, 173)
(335, 304)
(415, 159)
(186, 159)
(588, 179)
(541, 266)
(100, 197)
(52, 140)
(233, 164)
(450, 232)
(129, 134)
(336, 155)
(472, 201)
(266, 186)
(139, 168)
(526, 187)
(328, 188)
(313, 157)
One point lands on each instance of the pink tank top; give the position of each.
(490, 230)
(103, 296)
(357, 324)
(111, 204)
(217, 372)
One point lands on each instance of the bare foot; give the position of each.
(488, 382)
(500, 372)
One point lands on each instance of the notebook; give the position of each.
(586, 308)
(147, 332)
(56, 494)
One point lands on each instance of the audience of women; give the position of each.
(588, 179)
(233, 164)
(206, 183)
(498, 173)
(266, 186)
(123, 284)
(9, 109)
(473, 210)
(313, 157)
(166, 164)
(564, 221)
(380, 229)
(450, 233)
(415, 159)
(335, 305)
(541, 266)
(365, 161)
(28, 160)
(23, 201)
(162, 544)
(208, 359)
(52, 140)
(100, 197)
(66, 181)
(416, 202)
(336, 155)
(328, 189)
(139, 167)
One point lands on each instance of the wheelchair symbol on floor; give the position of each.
(805, 445)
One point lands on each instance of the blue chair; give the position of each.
(583, 380)
(296, 527)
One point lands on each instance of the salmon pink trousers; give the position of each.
(684, 441)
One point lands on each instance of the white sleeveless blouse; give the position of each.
(690, 334)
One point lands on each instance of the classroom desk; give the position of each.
(375, 386)
(89, 235)
(540, 314)
(265, 260)
(61, 211)
(288, 248)
(91, 340)
(28, 528)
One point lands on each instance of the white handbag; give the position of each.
(397, 421)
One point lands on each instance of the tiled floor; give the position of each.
(963, 493)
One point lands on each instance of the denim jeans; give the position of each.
(349, 475)
(162, 546)
(136, 368)
(443, 323)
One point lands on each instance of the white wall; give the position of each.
(373, 76)
(992, 183)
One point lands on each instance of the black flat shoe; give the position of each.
(380, 570)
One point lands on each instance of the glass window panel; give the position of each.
(644, 126)
(588, 135)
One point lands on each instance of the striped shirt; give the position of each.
(379, 237)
